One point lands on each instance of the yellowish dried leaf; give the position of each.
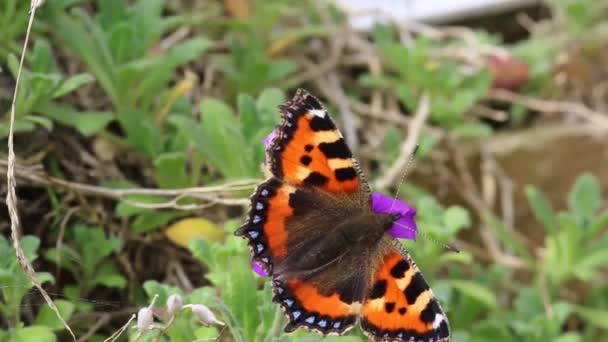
(182, 231)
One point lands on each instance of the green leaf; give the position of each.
(47, 317)
(597, 317)
(456, 218)
(585, 197)
(473, 130)
(108, 275)
(42, 121)
(475, 291)
(541, 208)
(569, 337)
(147, 221)
(36, 333)
(170, 170)
(72, 84)
(585, 268)
(86, 122)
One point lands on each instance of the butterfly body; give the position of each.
(312, 227)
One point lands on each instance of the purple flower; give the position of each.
(404, 228)
(257, 268)
(268, 140)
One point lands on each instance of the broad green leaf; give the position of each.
(36, 333)
(171, 170)
(47, 317)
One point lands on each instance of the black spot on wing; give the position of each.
(315, 179)
(308, 147)
(345, 173)
(443, 330)
(428, 314)
(301, 202)
(378, 289)
(402, 311)
(336, 149)
(416, 286)
(389, 307)
(318, 123)
(398, 271)
(311, 102)
(305, 160)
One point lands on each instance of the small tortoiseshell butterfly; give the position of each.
(312, 228)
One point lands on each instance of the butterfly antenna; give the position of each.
(430, 238)
(407, 167)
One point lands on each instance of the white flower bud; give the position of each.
(205, 315)
(144, 319)
(174, 304)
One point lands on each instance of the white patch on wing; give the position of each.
(318, 112)
(437, 321)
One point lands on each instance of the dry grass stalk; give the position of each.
(11, 196)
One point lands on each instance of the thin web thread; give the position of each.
(405, 172)
(430, 238)
(426, 236)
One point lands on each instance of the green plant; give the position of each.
(413, 71)
(40, 87)
(87, 261)
(15, 285)
(13, 22)
(116, 46)
(232, 144)
(249, 58)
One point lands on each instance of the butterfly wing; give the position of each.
(309, 150)
(400, 306)
(265, 228)
(306, 306)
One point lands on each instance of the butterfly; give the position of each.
(312, 228)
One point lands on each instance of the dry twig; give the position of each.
(11, 196)
(408, 146)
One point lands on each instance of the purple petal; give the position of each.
(405, 227)
(268, 140)
(257, 268)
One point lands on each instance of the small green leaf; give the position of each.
(585, 197)
(72, 84)
(474, 290)
(171, 170)
(473, 130)
(541, 208)
(597, 317)
(456, 218)
(48, 318)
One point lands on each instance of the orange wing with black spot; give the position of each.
(400, 306)
(305, 306)
(309, 150)
(265, 228)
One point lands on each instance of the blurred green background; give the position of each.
(138, 139)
